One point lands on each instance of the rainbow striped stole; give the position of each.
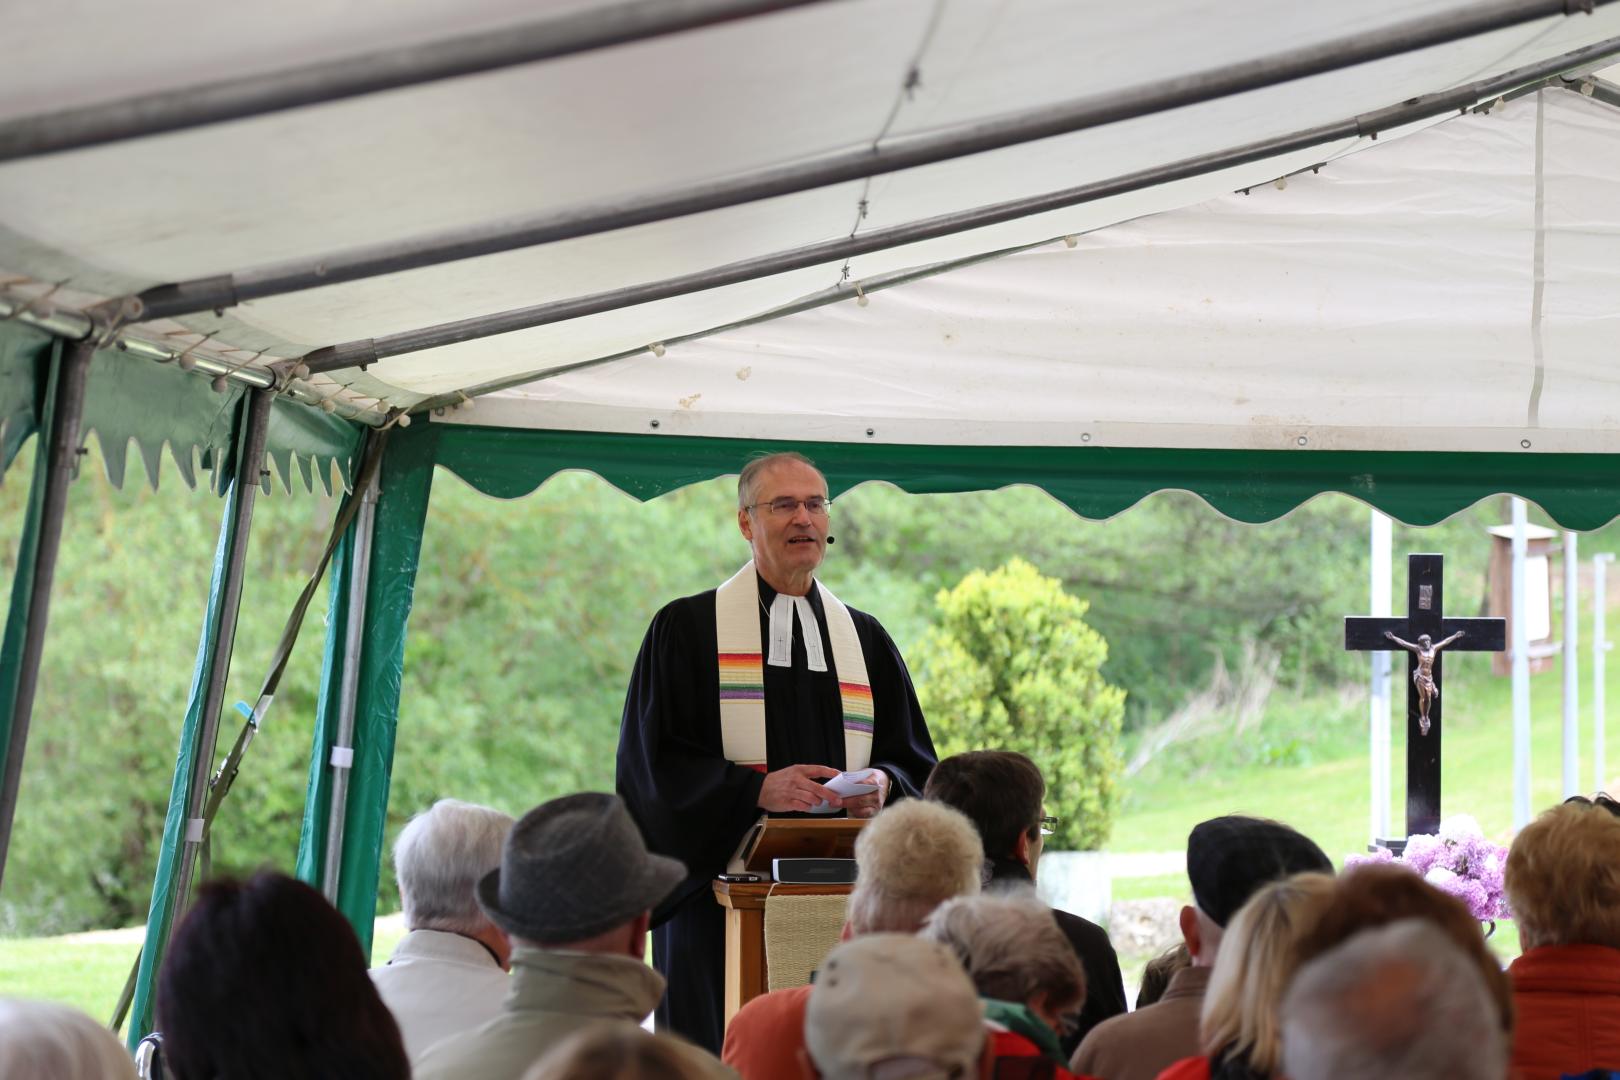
(742, 674)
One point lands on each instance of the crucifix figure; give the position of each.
(1422, 634)
(1423, 677)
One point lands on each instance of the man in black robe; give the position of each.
(694, 804)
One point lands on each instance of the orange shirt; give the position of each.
(765, 1040)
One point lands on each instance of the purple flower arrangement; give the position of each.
(1459, 860)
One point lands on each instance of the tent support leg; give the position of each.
(182, 827)
(396, 543)
(342, 755)
(24, 644)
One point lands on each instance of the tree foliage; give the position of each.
(1012, 665)
(526, 622)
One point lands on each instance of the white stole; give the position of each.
(742, 667)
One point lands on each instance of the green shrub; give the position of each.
(1011, 665)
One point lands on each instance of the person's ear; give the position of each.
(1189, 930)
(745, 526)
(1020, 851)
(847, 932)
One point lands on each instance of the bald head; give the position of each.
(1400, 1000)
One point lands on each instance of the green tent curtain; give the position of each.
(22, 583)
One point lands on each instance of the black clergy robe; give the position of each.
(693, 804)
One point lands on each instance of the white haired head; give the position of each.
(439, 857)
(41, 1040)
(1401, 1000)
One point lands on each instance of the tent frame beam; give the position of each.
(369, 73)
(362, 353)
(71, 379)
(993, 133)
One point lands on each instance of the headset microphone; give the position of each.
(830, 540)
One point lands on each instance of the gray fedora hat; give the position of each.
(573, 868)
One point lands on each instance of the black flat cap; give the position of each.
(1230, 858)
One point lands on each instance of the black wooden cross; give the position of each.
(1425, 615)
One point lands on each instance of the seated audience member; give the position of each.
(448, 973)
(1396, 1003)
(894, 1005)
(1259, 954)
(1157, 973)
(913, 857)
(1228, 860)
(41, 1040)
(1376, 895)
(1021, 963)
(622, 1051)
(1003, 793)
(574, 891)
(264, 979)
(1563, 884)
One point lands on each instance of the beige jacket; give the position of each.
(1142, 1044)
(553, 995)
(439, 984)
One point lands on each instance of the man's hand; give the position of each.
(795, 788)
(865, 806)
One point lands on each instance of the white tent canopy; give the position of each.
(1454, 290)
(1285, 325)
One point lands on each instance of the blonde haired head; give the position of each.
(913, 857)
(1563, 878)
(1259, 954)
(618, 1050)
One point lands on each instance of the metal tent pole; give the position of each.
(860, 162)
(1572, 686)
(1521, 672)
(58, 452)
(333, 80)
(1600, 647)
(363, 352)
(1380, 547)
(342, 753)
(249, 470)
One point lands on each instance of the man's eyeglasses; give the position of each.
(1048, 825)
(817, 505)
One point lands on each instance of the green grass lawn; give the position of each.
(88, 970)
(1325, 795)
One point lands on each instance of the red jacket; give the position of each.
(1193, 1068)
(1568, 1002)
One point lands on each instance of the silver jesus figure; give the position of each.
(1423, 678)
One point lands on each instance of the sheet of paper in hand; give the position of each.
(845, 785)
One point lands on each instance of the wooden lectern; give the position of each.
(747, 973)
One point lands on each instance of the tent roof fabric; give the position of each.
(1455, 290)
(1439, 292)
(700, 105)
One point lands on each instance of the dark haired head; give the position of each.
(1601, 800)
(1000, 791)
(265, 979)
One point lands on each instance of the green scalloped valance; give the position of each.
(1579, 491)
(132, 400)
